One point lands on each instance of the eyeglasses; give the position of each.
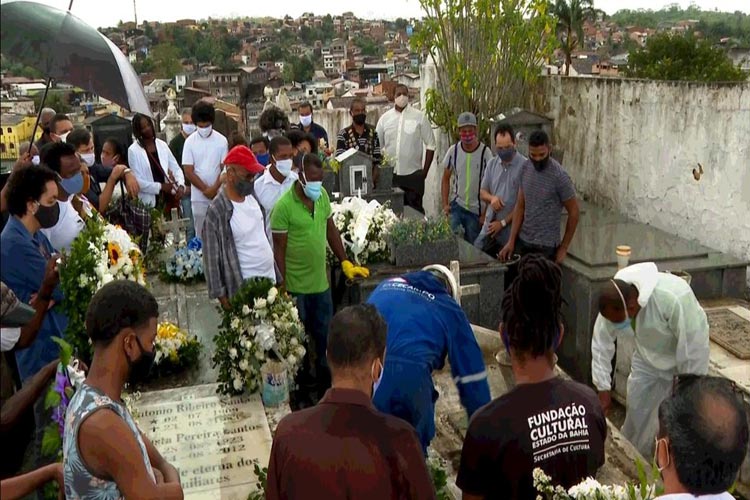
(683, 380)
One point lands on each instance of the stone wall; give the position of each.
(632, 145)
(333, 120)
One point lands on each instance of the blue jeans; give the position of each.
(315, 312)
(187, 213)
(468, 221)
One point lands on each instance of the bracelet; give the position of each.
(503, 223)
(126, 171)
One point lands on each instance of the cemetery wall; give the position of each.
(632, 145)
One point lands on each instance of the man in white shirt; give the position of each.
(403, 131)
(670, 328)
(278, 176)
(236, 239)
(201, 159)
(702, 439)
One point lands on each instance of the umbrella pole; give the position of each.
(39, 114)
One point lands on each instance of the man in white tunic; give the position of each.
(670, 329)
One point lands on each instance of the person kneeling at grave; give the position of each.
(426, 324)
(545, 421)
(236, 237)
(105, 456)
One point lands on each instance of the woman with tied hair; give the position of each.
(159, 175)
(545, 421)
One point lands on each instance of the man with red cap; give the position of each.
(236, 239)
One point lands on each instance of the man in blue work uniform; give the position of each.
(425, 324)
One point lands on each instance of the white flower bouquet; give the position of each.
(185, 265)
(591, 489)
(100, 253)
(364, 227)
(262, 324)
(175, 350)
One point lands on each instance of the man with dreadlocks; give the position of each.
(425, 324)
(545, 421)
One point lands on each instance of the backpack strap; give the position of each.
(481, 175)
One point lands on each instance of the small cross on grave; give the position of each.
(462, 290)
(177, 227)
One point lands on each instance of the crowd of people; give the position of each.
(364, 404)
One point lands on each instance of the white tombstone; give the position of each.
(172, 121)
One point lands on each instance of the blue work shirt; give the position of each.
(425, 325)
(22, 264)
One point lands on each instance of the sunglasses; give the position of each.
(683, 380)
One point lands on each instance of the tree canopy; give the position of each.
(682, 57)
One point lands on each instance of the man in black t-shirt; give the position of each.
(545, 421)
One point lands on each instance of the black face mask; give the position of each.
(359, 119)
(48, 216)
(244, 187)
(141, 367)
(540, 165)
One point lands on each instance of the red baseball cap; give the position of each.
(244, 157)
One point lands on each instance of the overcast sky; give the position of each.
(103, 13)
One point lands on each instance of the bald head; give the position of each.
(706, 425)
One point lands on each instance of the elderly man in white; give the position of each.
(670, 329)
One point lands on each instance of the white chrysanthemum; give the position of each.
(260, 303)
(245, 310)
(291, 360)
(235, 323)
(237, 384)
(232, 353)
(243, 365)
(294, 341)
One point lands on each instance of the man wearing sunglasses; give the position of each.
(702, 439)
(671, 336)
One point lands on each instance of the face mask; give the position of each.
(376, 384)
(35, 160)
(468, 138)
(244, 187)
(88, 158)
(540, 165)
(47, 216)
(141, 367)
(312, 189)
(624, 324)
(188, 128)
(359, 119)
(74, 185)
(506, 154)
(402, 101)
(205, 131)
(305, 120)
(284, 167)
(263, 159)
(64, 137)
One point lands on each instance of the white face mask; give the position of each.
(305, 120)
(205, 131)
(88, 158)
(188, 128)
(284, 167)
(402, 101)
(64, 137)
(35, 160)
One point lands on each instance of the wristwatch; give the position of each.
(503, 223)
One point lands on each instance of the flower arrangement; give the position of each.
(100, 253)
(185, 265)
(591, 489)
(175, 350)
(67, 379)
(364, 228)
(418, 242)
(261, 325)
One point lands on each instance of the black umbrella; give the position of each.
(66, 49)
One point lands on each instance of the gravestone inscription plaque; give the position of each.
(211, 440)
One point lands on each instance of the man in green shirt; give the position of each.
(175, 146)
(302, 228)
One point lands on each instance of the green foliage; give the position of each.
(262, 474)
(301, 69)
(682, 57)
(7, 65)
(369, 46)
(166, 60)
(570, 16)
(488, 51)
(439, 481)
(419, 231)
(51, 441)
(401, 23)
(55, 100)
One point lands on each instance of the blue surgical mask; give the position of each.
(284, 167)
(312, 189)
(376, 384)
(263, 159)
(624, 324)
(506, 154)
(74, 185)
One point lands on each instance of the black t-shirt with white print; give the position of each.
(556, 425)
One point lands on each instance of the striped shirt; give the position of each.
(544, 193)
(368, 142)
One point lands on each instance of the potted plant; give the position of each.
(419, 242)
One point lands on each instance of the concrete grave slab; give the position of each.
(731, 331)
(211, 440)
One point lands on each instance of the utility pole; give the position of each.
(135, 14)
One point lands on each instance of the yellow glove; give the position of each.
(352, 272)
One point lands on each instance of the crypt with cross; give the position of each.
(425, 324)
